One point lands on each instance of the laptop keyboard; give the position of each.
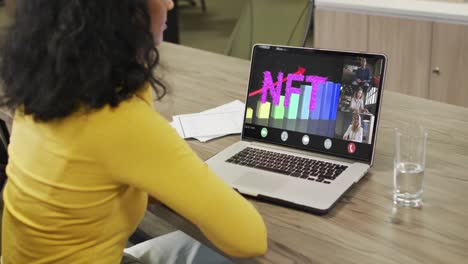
(290, 165)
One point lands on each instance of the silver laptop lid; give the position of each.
(322, 101)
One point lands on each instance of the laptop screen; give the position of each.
(316, 100)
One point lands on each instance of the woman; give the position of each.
(354, 131)
(87, 148)
(357, 102)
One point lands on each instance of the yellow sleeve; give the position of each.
(142, 150)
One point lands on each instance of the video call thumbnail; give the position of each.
(333, 97)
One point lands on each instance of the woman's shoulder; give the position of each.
(133, 120)
(132, 114)
(139, 104)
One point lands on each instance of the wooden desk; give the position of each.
(363, 227)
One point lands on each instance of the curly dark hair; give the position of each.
(60, 55)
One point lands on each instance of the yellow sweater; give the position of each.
(78, 187)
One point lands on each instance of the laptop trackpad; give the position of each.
(253, 183)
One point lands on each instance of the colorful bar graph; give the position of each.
(277, 111)
(315, 114)
(326, 101)
(292, 110)
(290, 124)
(263, 110)
(304, 105)
(335, 100)
(331, 128)
(249, 113)
(325, 111)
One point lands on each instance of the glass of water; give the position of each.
(409, 163)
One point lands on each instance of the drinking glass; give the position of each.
(409, 163)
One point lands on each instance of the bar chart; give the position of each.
(312, 111)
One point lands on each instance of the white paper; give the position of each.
(211, 124)
(176, 125)
(201, 126)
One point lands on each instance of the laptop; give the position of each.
(310, 126)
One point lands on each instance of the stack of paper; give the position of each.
(217, 122)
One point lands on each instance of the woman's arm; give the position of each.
(359, 135)
(360, 105)
(346, 135)
(142, 150)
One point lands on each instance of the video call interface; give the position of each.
(314, 100)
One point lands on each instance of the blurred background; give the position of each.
(426, 41)
(209, 30)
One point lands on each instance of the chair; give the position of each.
(272, 22)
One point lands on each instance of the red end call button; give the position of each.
(351, 148)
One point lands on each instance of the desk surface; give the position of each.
(363, 227)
